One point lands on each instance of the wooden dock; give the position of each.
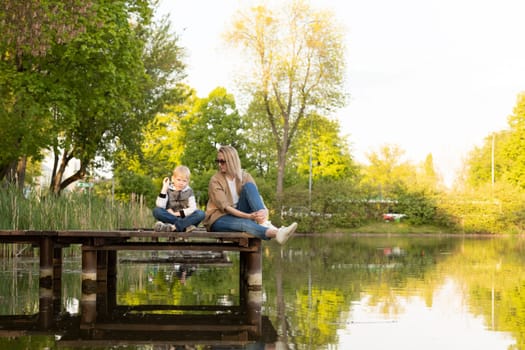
(100, 266)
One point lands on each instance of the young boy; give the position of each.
(175, 207)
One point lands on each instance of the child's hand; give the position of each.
(165, 184)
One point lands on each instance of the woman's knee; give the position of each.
(250, 187)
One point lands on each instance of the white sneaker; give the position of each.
(268, 224)
(159, 226)
(285, 233)
(163, 227)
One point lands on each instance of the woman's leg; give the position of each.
(249, 199)
(228, 223)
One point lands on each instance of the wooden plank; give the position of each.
(186, 259)
(28, 233)
(77, 236)
(150, 328)
(135, 246)
(150, 234)
(126, 309)
(25, 236)
(174, 340)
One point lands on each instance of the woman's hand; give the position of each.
(260, 216)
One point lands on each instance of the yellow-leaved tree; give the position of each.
(295, 63)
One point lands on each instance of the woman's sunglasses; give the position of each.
(220, 161)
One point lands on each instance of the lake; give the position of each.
(334, 291)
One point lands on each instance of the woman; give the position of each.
(235, 204)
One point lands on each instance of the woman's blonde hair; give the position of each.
(233, 162)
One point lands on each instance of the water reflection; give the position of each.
(446, 325)
(337, 292)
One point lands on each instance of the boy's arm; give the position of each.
(192, 206)
(162, 200)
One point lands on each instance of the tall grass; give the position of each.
(73, 211)
(69, 211)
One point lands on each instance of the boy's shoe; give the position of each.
(159, 226)
(170, 228)
(190, 228)
(285, 233)
(163, 227)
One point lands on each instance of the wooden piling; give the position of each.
(89, 285)
(252, 266)
(46, 283)
(57, 279)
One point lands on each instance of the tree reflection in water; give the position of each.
(327, 292)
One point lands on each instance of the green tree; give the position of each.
(500, 158)
(321, 151)
(298, 67)
(512, 162)
(97, 89)
(106, 89)
(142, 170)
(188, 132)
(259, 141)
(387, 171)
(30, 29)
(479, 162)
(212, 122)
(427, 176)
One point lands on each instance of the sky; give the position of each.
(429, 76)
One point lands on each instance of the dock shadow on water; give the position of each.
(318, 292)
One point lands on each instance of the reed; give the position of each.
(69, 211)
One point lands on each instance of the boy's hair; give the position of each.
(182, 170)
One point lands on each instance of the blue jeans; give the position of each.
(163, 215)
(249, 201)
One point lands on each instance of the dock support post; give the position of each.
(57, 279)
(102, 282)
(253, 265)
(89, 285)
(254, 312)
(250, 269)
(112, 279)
(46, 283)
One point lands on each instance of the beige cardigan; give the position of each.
(220, 197)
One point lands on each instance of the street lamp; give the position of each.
(310, 170)
(492, 158)
(502, 135)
